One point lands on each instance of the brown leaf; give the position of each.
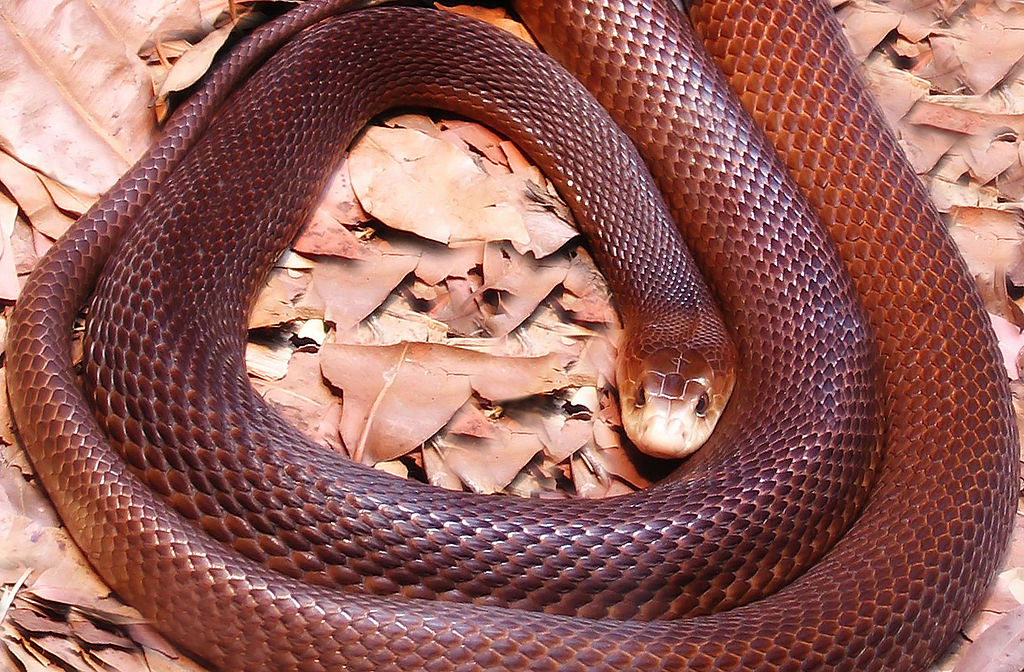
(480, 138)
(9, 285)
(439, 474)
(27, 188)
(415, 182)
(471, 421)
(866, 24)
(74, 69)
(195, 61)
(448, 262)
(991, 242)
(352, 289)
(398, 396)
(999, 649)
(522, 282)
(1011, 344)
(279, 300)
(897, 91)
(394, 400)
(301, 396)
(326, 232)
(488, 465)
(495, 16)
(983, 45)
(587, 296)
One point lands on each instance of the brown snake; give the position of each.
(865, 559)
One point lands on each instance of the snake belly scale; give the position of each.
(869, 543)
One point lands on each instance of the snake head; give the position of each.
(671, 400)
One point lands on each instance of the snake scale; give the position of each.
(856, 533)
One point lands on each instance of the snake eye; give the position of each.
(641, 398)
(701, 409)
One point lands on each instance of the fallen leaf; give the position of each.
(70, 102)
(9, 285)
(326, 233)
(398, 396)
(1011, 343)
(352, 289)
(991, 242)
(521, 281)
(279, 300)
(414, 182)
(866, 25)
(487, 465)
(32, 197)
(195, 62)
(495, 16)
(301, 395)
(982, 45)
(999, 649)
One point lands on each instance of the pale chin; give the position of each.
(670, 439)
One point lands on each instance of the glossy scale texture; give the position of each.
(185, 494)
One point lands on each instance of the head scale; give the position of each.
(671, 400)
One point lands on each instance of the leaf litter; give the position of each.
(397, 292)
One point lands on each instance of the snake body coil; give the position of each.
(249, 547)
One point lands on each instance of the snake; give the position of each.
(847, 512)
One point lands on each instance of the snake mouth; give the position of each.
(674, 427)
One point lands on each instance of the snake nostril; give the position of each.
(701, 409)
(641, 398)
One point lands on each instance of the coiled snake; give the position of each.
(869, 541)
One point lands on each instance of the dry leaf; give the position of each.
(495, 16)
(999, 649)
(444, 195)
(488, 465)
(982, 46)
(897, 91)
(352, 289)
(301, 395)
(1011, 344)
(70, 102)
(280, 299)
(866, 25)
(971, 142)
(992, 243)
(194, 62)
(27, 188)
(398, 396)
(521, 283)
(9, 285)
(326, 232)
(394, 399)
